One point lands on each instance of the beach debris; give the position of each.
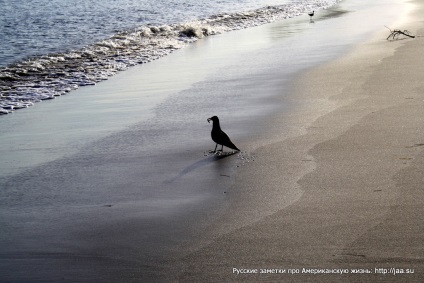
(245, 158)
(405, 158)
(394, 34)
(352, 254)
(415, 145)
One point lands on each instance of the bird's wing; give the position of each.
(225, 140)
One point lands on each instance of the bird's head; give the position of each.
(213, 119)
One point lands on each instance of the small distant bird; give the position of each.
(311, 14)
(219, 136)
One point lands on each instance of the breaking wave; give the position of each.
(46, 77)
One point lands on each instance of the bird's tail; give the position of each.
(233, 146)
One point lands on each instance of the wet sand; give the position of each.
(346, 194)
(125, 191)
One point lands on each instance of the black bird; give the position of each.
(311, 14)
(219, 136)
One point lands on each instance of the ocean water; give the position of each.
(49, 48)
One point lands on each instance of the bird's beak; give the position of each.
(209, 120)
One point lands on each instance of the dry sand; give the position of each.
(352, 180)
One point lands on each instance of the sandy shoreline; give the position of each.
(125, 191)
(355, 177)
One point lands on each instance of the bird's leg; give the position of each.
(222, 148)
(213, 151)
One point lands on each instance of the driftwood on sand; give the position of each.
(394, 34)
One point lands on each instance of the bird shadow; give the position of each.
(198, 164)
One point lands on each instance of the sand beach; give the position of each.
(353, 177)
(327, 187)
